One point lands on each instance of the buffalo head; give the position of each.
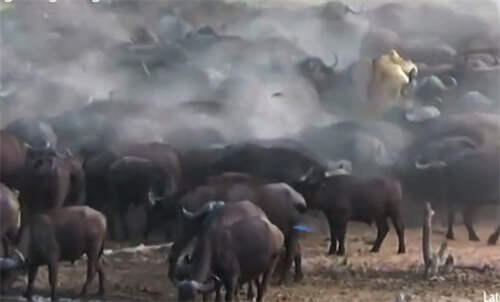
(15, 261)
(205, 210)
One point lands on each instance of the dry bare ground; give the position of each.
(361, 276)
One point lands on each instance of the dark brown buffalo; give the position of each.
(63, 234)
(282, 205)
(210, 216)
(137, 181)
(467, 179)
(50, 181)
(343, 197)
(97, 175)
(244, 251)
(161, 155)
(12, 158)
(273, 162)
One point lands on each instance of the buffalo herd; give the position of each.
(415, 120)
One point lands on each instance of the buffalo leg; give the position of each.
(53, 278)
(264, 283)
(299, 275)
(382, 230)
(5, 243)
(333, 239)
(113, 223)
(289, 255)
(451, 220)
(124, 223)
(150, 223)
(469, 213)
(91, 270)
(218, 297)
(492, 240)
(102, 277)
(231, 287)
(250, 293)
(32, 272)
(340, 230)
(398, 223)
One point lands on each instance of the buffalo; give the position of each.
(242, 252)
(35, 132)
(63, 234)
(134, 180)
(275, 163)
(211, 215)
(282, 205)
(467, 179)
(343, 197)
(105, 185)
(51, 181)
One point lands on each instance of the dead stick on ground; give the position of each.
(434, 262)
(140, 248)
(426, 240)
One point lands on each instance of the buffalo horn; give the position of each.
(336, 62)
(188, 214)
(343, 167)
(308, 173)
(433, 164)
(204, 287)
(349, 9)
(205, 209)
(451, 82)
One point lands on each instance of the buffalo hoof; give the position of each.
(298, 277)
(375, 250)
(402, 251)
(474, 238)
(28, 296)
(341, 253)
(450, 236)
(493, 239)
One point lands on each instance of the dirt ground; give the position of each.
(361, 276)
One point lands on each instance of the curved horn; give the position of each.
(451, 82)
(204, 210)
(204, 287)
(349, 9)
(308, 173)
(336, 62)
(12, 262)
(28, 146)
(187, 214)
(424, 166)
(344, 167)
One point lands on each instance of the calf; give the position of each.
(62, 234)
